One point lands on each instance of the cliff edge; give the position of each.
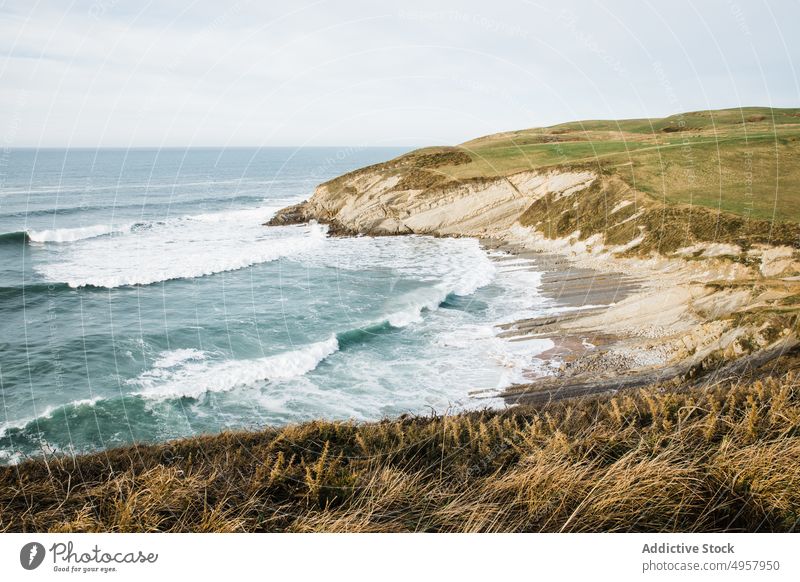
(699, 209)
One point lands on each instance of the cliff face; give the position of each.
(713, 288)
(650, 186)
(376, 202)
(582, 208)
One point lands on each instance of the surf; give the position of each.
(187, 247)
(19, 237)
(190, 375)
(67, 235)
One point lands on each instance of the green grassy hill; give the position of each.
(742, 161)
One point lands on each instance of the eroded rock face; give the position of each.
(376, 203)
(779, 260)
(295, 214)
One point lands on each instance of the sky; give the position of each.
(116, 73)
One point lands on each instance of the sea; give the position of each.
(142, 299)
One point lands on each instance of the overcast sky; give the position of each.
(165, 73)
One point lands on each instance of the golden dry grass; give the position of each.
(622, 214)
(723, 458)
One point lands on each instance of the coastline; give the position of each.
(623, 331)
(578, 292)
(635, 312)
(587, 454)
(669, 400)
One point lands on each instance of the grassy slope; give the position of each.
(736, 160)
(713, 459)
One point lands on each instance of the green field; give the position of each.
(743, 161)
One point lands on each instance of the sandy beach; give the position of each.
(580, 348)
(617, 330)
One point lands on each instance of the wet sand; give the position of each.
(580, 292)
(569, 285)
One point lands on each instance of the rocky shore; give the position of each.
(633, 315)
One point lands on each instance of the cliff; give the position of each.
(714, 253)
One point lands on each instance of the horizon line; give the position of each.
(178, 147)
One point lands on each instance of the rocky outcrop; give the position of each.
(375, 203)
(690, 302)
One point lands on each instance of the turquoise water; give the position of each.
(142, 299)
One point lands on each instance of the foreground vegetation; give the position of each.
(714, 458)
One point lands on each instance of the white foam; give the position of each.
(521, 298)
(464, 336)
(432, 297)
(511, 358)
(518, 355)
(90, 402)
(10, 458)
(65, 235)
(172, 358)
(192, 378)
(446, 266)
(46, 413)
(185, 247)
(259, 215)
(407, 309)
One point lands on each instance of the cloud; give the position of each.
(113, 72)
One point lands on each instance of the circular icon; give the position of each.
(31, 555)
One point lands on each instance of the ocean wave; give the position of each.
(460, 264)
(64, 235)
(259, 215)
(192, 373)
(172, 358)
(184, 373)
(46, 413)
(181, 248)
(67, 235)
(413, 314)
(59, 189)
(429, 299)
(16, 237)
(73, 234)
(361, 335)
(443, 268)
(195, 376)
(190, 269)
(64, 211)
(31, 290)
(172, 203)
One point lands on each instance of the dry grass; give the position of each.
(657, 227)
(699, 459)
